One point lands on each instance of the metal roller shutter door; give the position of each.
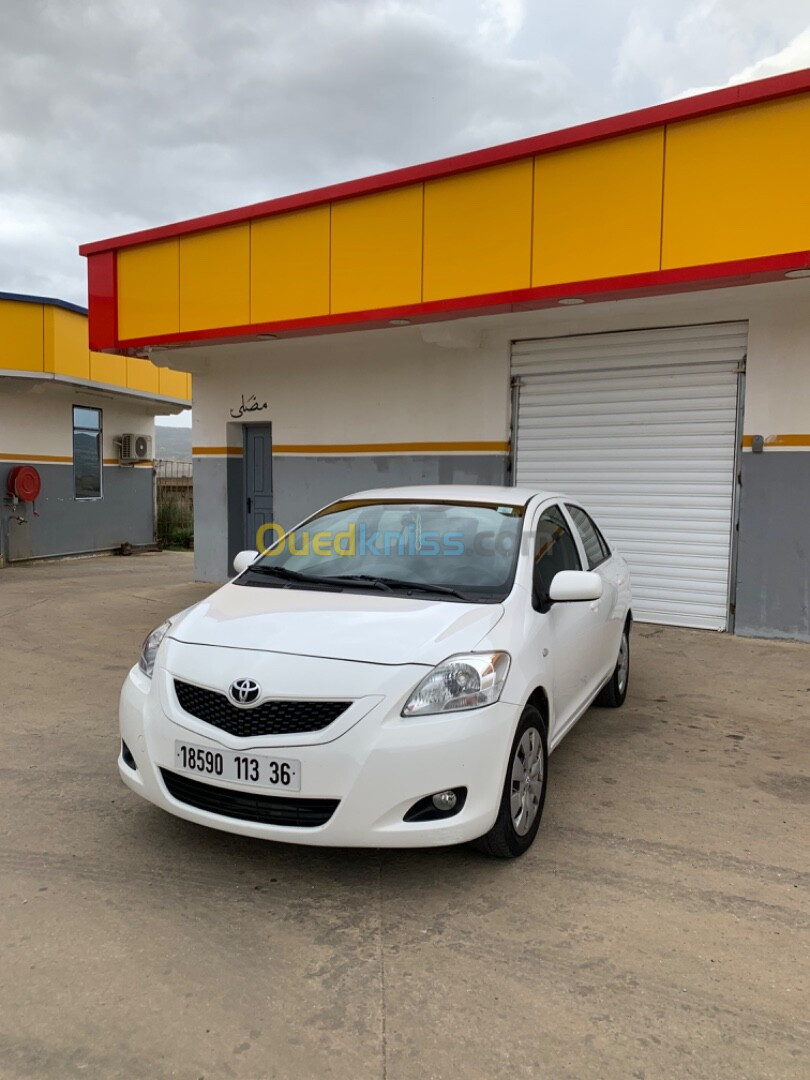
(642, 427)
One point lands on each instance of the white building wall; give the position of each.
(373, 387)
(777, 392)
(390, 386)
(36, 418)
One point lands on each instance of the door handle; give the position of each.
(249, 504)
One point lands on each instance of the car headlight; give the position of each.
(466, 681)
(150, 647)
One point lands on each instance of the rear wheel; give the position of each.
(524, 791)
(612, 695)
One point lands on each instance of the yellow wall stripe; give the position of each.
(369, 448)
(59, 459)
(228, 451)
(780, 440)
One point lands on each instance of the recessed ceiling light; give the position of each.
(569, 301)
(803, 271)
(399, 322)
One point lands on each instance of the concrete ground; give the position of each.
(657, 928)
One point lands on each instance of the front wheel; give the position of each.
(524, 791)
(613, 693)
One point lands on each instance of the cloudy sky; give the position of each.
(119, 114)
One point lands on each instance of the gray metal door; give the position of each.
(258, 483)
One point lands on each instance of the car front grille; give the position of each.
(268, 718)
(249, 806)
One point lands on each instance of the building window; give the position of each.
(86, 453)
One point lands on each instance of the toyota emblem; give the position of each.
(244, 691)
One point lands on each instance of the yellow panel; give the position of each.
(108, 369)
(478, 232)
(66, 351)
(215, 278)
(289, 266)
(736, 184)
(148, 290)
(597, 209)
(173, 383)
(20, 336)
(142, 375)
(377, 250)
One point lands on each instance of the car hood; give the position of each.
(370, 627)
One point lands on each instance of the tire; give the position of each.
(506, 839)
(613, 693)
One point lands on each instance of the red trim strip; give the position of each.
(654, 283)
(102, 300)
(795, 82)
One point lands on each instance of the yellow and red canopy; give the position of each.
(706, 191)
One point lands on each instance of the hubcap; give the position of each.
(527, 780)
(623, 664)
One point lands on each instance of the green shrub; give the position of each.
(175, 522)
(182, 537)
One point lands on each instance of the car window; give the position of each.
(554, 550)
(596, 549)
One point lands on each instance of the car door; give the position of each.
(570, 626)
(598, 558)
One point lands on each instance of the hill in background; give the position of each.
(173, 443)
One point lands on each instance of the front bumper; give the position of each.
(377, 769)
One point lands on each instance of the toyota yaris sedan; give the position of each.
(393, 672)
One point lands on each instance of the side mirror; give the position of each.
(243, 560)
(568, 586)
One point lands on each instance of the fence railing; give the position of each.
(174, 495)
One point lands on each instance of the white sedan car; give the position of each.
(393, 672)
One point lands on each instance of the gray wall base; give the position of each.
(773, 561)
(65, 525)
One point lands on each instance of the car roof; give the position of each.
(463, 493)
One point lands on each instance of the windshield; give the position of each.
(455, 551)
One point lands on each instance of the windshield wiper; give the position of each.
(388, 584)
(364, 579)
(326, 579)
(330, 581)
(411, 586)
(295, 577)
(279, 571)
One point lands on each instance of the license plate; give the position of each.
(257, 770)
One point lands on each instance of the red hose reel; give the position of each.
(24, 483)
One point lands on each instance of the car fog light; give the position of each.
(444, 800)
(442, 806)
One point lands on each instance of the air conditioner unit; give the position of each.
(135, 448)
